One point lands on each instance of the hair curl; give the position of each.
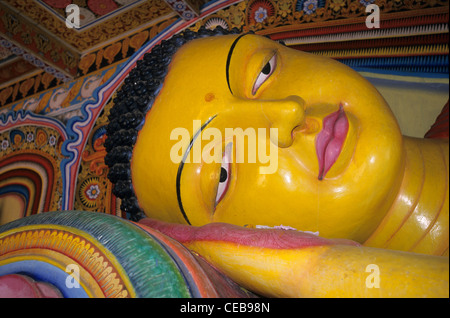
(133, 100)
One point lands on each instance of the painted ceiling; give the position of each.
(37, 31)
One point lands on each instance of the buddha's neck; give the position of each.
(418, 219)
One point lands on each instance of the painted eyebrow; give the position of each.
(181, 166)
(233, 45)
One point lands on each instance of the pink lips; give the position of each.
(330, 140)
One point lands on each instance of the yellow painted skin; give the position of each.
(418, 218)
(329, 271)
(384, 189)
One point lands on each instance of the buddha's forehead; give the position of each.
(198, 66)
(225, 44)
(200, 52)
(212, 57)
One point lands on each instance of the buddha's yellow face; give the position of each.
(322, 150)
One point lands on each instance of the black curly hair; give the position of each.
(133, 100)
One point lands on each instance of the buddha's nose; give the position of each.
(285, 115)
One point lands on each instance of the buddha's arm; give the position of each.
(418, 221)
(280, 263)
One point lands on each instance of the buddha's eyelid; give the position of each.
(266, 59)
(226, 164)
(262, 77)
(273, 56)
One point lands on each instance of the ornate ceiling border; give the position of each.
(31, 58)
(105, 30)
(186, 9)
(36, 45)
(294, 15)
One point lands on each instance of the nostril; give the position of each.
(295, 130)
(308, 126)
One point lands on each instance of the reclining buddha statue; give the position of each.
(285, 170)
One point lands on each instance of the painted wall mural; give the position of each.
(31, 153)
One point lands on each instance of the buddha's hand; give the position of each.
(290, 263)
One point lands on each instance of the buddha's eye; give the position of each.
(265, 73)
(225, 173)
